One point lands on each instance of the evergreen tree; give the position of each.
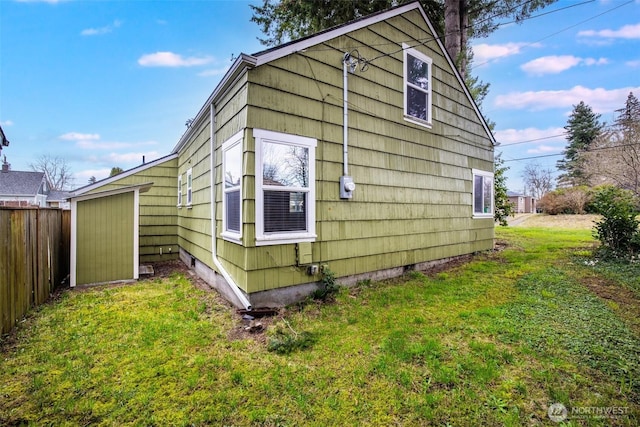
(503, 208)
(283, 20)
(116, 170)
(583, 128)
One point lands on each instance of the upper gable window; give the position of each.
(417, 87)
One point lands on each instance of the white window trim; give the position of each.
(189, 187)
(407, 50)
(232, 236)
(474, 173)
(179, 191)
(263, 238)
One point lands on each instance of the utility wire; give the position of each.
(582, 152)
(560, 31)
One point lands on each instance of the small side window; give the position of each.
(179, 190)
(189, 187)
(482, 194)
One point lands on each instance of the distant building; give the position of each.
(24, 189)
(522, 203)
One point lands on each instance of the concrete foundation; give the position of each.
(282, 297)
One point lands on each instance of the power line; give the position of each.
(613, 147)
(560, 31)
(532, 140)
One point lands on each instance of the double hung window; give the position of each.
(417, 87)
(285, 188)
(232, 188)
(189, 187)
(482, 194)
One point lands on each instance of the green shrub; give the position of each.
(617, 231)
(328, 286)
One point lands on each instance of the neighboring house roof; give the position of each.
(18, 183)
(102, 182)
(245, 62)
(513, 194)
(58, 196)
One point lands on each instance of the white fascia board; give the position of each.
(459, 77)
(141, 188)
(294, 47)
(125, 174)
(243, 63)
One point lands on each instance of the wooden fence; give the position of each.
(34, 259)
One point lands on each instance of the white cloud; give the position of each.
(76, 136)
(170, 59)
(532, 135)
(128, 158)
(599, 99)
(105, 145)
(91, 141)
(544, 149)
(82, 177)
(625, 32)
(6, 123)
(556, 64)
(633, 64)
(486, 52)
(213, 72)
(101, 30)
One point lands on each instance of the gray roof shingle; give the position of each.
(18, 183)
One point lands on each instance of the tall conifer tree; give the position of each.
(583, 128)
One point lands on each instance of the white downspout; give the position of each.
(232, 284)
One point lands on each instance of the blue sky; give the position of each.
(102, 83)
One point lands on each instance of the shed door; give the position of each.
(105, 239)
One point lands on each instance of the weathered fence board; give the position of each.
(34, 259)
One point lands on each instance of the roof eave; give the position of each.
(240, 66)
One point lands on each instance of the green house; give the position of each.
(358, 149)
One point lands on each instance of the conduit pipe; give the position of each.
(232, 284)
(346, 182)
(345, 109)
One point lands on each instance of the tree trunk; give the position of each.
(456, 20)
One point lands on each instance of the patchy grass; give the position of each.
(492, 342)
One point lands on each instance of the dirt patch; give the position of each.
(246, 325)
(622, 300)
(572, 222)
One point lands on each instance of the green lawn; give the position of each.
(494, 341)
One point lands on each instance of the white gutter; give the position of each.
(232, 284)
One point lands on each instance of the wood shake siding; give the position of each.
(414, 184)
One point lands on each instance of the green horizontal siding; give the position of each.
(158, 220)
(413, 197)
